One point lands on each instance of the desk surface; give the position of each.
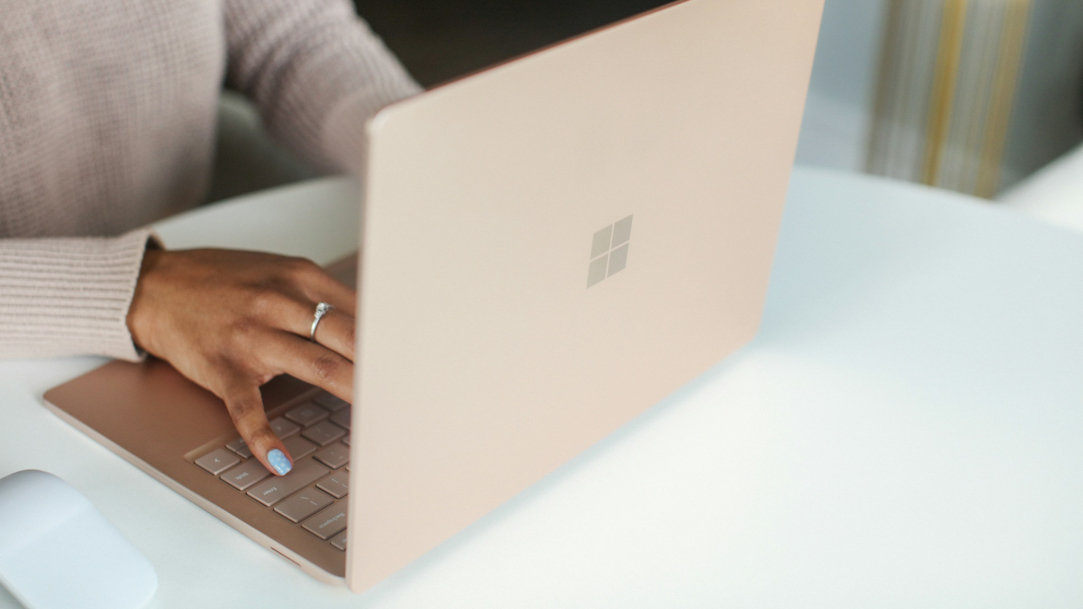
(904, 431)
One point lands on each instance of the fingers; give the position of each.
(294, 313)
(331, 291)
(336, 332)
(318, 286)
(327, 365)
(300, 358)
(310, 362)
(245, 406)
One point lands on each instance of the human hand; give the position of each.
(232, 320)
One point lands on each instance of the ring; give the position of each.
(321, 309)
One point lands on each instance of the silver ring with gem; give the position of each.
(321, 309)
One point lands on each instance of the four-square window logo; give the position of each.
(609, 250)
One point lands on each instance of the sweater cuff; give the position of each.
(70, 296)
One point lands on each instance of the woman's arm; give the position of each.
(316, 73)
(69, 296)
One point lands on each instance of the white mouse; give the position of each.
(57, 551)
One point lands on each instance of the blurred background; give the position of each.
(968, 95)
(979, 96)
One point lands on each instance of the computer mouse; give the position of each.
(57, 551)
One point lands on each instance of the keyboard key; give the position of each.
(299, 447)
(283, 428)
(337, 484)
(306, 414)
(334, 456)
(328, 521)
(330, 402)
(342, 418)
(238, 446)
(218, 461)
(270, 492)
(303, 504)
(324, 433)
(339, 541)
(245, 475)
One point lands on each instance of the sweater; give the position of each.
(107, 119)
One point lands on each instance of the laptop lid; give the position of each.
(551, 246)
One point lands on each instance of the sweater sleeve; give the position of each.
(69, 296)
(315, 72)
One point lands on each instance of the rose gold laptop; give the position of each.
(550, 247)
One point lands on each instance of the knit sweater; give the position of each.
(107, 118)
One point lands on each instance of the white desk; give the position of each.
(907, 430)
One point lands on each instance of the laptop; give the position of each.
(548, 248)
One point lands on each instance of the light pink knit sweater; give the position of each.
(107, 115)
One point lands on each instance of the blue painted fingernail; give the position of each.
(278, 460)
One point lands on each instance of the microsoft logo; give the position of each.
(609, 250)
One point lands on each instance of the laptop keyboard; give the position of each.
(313, 495)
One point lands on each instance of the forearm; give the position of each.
(69, 296)
(315, 71)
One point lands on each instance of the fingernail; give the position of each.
(278, 460)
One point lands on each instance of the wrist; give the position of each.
(138, 319)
